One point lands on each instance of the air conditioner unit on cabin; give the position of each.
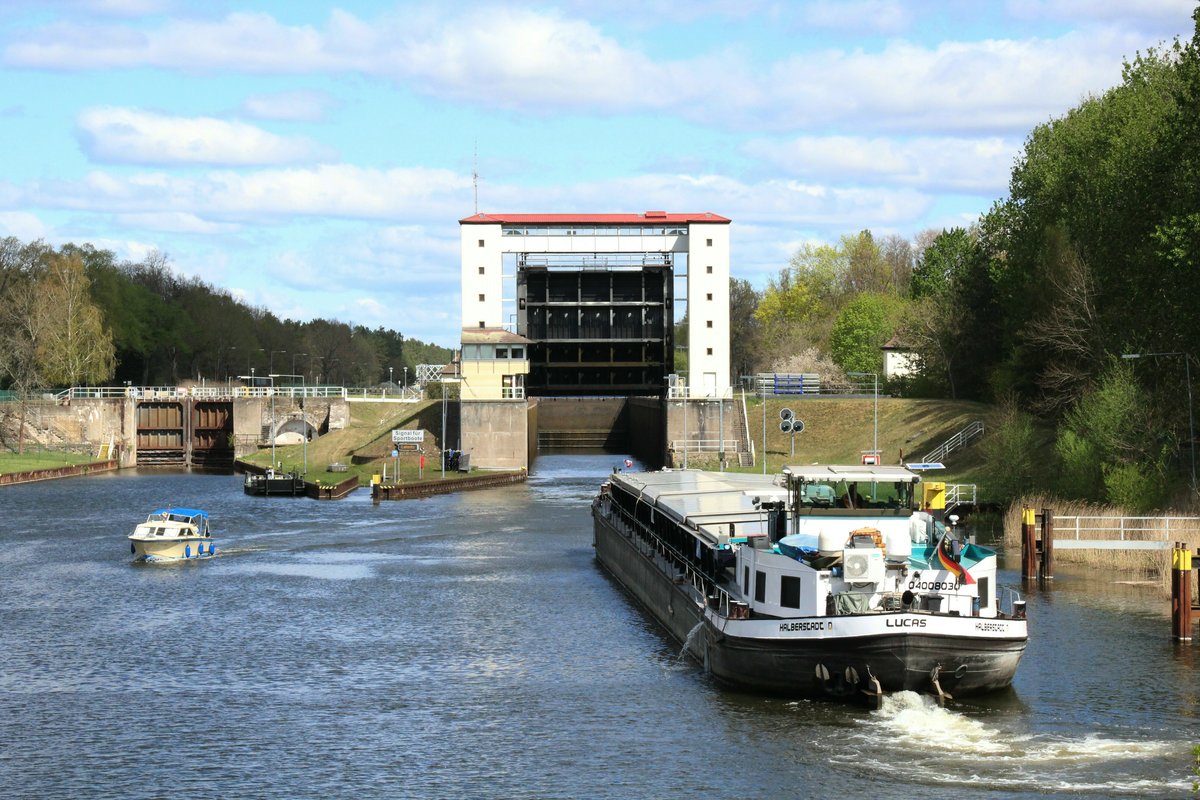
(863, 565)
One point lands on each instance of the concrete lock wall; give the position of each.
(495, 433)
(532, 415)
(93, 421)
(321, 415)
(80, 422)
(702, 419)
(647, 426)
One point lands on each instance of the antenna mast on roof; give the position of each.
(475, 175)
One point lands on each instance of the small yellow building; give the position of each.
(494, 364)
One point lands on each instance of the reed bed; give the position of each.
(1105, 522)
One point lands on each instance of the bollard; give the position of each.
(1181, 593)
(1047, 544)
(1028, 545)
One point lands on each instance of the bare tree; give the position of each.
(74, 347)
(1067, 333)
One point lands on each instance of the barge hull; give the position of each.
(789, 666)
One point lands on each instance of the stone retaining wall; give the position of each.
(10, 478)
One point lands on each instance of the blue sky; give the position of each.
(314, 159)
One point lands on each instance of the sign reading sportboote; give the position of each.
(408, 436)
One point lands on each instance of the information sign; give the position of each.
(408, 436)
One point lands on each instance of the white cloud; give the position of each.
(23, 225)
(545, 63)
(955, 86)
(297, 106)
(883, 16)
(424, 196)
(267, 196)
(131, 136)
(979, 166)
(174, 222)
(1142, 13)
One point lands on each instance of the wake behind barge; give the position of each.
(824, 581)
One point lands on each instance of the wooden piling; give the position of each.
(1029, 569)
(1047, 570)
(1181, 593)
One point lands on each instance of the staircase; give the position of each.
(741, 431)
(106, 449)
(956, 442)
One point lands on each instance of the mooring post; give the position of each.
(1028, 545)
(1047, 543)
(1181, 593)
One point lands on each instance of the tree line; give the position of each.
(77, 315)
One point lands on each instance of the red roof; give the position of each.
(592, 219)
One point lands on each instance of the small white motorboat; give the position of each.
(172, 533)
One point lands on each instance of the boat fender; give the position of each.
(907, 599)
(132, 549)
(187, 551)
(212, 548)
(852, 676)
(822, 673)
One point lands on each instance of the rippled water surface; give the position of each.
(469, 646)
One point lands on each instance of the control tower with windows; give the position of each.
(594, 298)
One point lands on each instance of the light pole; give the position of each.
(1187, 372)
(294, 363)
(271, 360)
(875, 426)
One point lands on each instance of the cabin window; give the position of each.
(746, 581)
(760, 586)
(481, 242)
(501, 352)
(789, 591)
(481, 298)
(708, 270)
(708, 242)
(481, 270)
(985, 593)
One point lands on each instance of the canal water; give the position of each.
(469, 646)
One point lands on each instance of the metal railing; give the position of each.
(956, 442)
(684, 392)
(705, 586)
(704, 445)
(960, 494)
(217, 392)
(1122, 533)
(202, 392)
(746, 453)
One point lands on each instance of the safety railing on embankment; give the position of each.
(218, 392)
(956, 442)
